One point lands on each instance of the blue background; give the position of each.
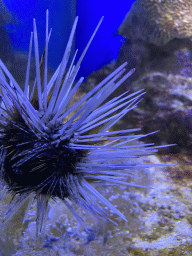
(103, 49)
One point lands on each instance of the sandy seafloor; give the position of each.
(159, 221)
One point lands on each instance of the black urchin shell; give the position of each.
(44, 171)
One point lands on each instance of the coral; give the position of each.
(158, 21)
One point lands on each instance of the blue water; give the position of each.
(105, 46)
(107, 42)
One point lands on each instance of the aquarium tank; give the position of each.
(95, 155)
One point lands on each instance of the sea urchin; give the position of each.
(53, 149)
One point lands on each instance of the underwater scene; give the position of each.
(95, 127)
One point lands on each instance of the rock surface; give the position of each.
(160, 48)
(159, 220)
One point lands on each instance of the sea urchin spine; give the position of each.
(53, 149)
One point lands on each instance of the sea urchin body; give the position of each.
(53, 149)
